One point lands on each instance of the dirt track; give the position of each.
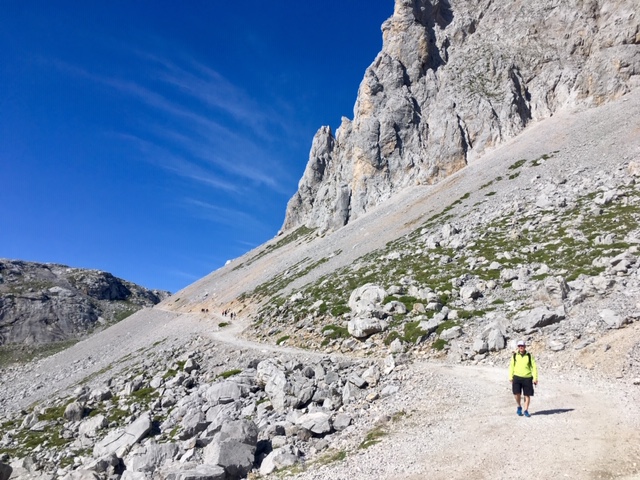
(461, 423)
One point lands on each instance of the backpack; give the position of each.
(528, 356)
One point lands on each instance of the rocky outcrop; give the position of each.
(42, 303)
(455, 78)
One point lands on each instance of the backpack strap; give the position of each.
(528, 358)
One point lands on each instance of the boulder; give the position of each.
(282, 457)
(74, 412)
(90, 426)
(193, 423)
(120, 441)
(553, 291)
(372, 375)
(129, 475)
(611, 318)
(430, 326)
(233, 448)
(365, 327)
(200, 472)
(151, 456)
(451, 333)
(81, 474)
(227, 391)
(5, 471)
(538, 317)
(318, 423)
(495, 340)
(470, 293)
(342, 421)
(367, 298)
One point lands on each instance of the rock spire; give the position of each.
(455, 78)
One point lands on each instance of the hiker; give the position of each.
(523, 375)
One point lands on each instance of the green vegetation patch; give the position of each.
(439, 344)
(230, 373)
(332, 457)
(518, 164)
(374, 436)
(413, 332)
(446, 325)
(335, 331)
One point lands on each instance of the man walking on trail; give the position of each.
(523, 375)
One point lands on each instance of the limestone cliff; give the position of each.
(455, 78)
(42, 303)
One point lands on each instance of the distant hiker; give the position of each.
(523, 375)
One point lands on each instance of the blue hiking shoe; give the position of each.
(519, 411)
(526, 413)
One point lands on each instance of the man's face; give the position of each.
(521, 348)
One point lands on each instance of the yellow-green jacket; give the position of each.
(520, 366)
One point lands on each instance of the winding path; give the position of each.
(460, 421)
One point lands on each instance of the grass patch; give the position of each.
(391, 337)
(518, 164)
(439, 344)
(413, 332)
(283, 339)
(122, 314)
(339, 310)
(332, 457)
(230, 373)
(373, 437)
(169, 374)
(145, 393)
(334, 331)
(446, 325)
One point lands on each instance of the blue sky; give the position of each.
(157, 140)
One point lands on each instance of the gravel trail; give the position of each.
(460, 423)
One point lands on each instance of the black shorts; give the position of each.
(522, 385)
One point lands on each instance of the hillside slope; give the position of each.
(565, 188)
(379, 350)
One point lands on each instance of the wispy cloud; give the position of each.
(222, 215)
(201, 141)
(212, 89)
(241, 159)
(178, 165)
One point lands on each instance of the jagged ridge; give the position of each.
(456, 78)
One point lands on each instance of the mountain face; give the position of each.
(42, 303)
(455, 78)
(537, 239)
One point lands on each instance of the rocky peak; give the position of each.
(42, 303)
(456, 78)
